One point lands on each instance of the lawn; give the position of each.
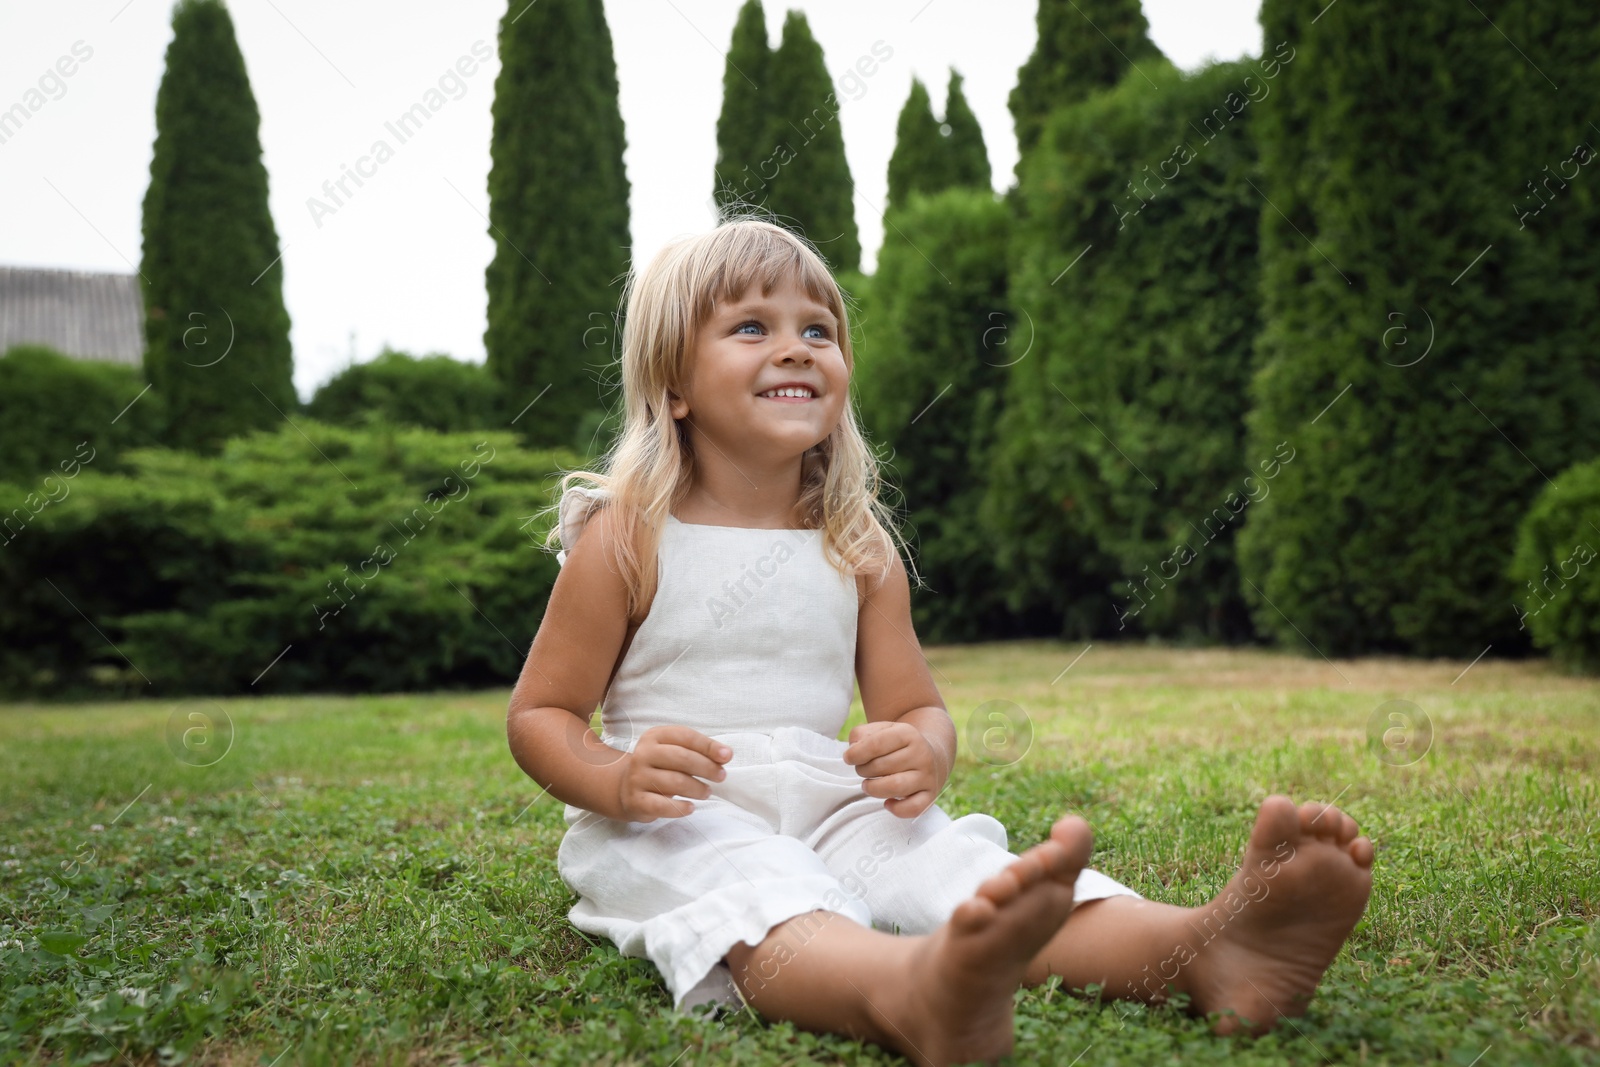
(372, 879)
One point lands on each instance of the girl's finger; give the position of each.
(676, 783)
(660, 807)
(873, 745)
(898, 760)
(911, 806)
(688, 761)
(696, 741)
(904, 784)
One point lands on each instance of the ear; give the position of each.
(677, 406)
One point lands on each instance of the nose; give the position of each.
(799, 352)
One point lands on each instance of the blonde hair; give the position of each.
(648, 470)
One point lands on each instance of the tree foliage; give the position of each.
(1125, 422)
(1429, 281)
(434, 392)
(558, 213)
(216, 331)
(969, 156)
(919, 163)
(341, 560)
(743, 127)
(930, 374)
(930, 155)
(1556, 568)
(1083, 46)
(812, 190)
(55, 409)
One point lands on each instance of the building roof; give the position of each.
(81, 314)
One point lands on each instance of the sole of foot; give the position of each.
(957, 1007)
(1263, 944)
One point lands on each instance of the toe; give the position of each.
(1277, 821)
(1313, 819)
(1002, 888)
(1361, 851)
(1052, 859)
(973, 914)
(1329, 822)
(1034, 865)
(1347, 828)
(1072, 833)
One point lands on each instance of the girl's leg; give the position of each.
(1256, 951)
(941, 998)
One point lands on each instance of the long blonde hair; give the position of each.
(648, 469)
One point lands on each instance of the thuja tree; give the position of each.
(1083, 46)
(1430, 282)
(742, 127)
(920, 162)
(812, 190)
(930, 376)
(558, 213)
(930, 155)
(216, 331)
(1139, 288)
(969, 156)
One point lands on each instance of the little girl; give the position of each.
(736, 580)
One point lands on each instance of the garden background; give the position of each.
(1281, 367)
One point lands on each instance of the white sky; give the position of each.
(402, 262)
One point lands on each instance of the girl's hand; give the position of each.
(664, 764)
(899, 763)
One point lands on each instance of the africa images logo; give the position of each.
(737, 592)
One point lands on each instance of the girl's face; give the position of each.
(754, 345)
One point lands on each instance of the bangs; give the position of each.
(763, 257)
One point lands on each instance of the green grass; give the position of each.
(372, 880)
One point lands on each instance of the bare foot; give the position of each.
(1262, 945)
(957, 1004)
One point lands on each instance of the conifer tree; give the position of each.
(742, 128)
(1428, 303)
(1083, 46)
(216, 330)
(921, 159)
(558, 213)
(931, 373)
(812, 190)
(969, 157)
(930, 156)
(1123, 424)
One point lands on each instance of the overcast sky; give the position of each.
(402, 262)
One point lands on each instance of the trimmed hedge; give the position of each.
(390, 559)
(1557, 568)
(434, 392)
(55, 410)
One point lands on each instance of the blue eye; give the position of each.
(814, 326)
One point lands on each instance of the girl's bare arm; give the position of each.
(565, 676)
(907, 747)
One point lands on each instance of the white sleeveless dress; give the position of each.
(751, 639)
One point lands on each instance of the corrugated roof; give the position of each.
(79, 313)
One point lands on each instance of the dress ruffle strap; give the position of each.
(577, 504)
